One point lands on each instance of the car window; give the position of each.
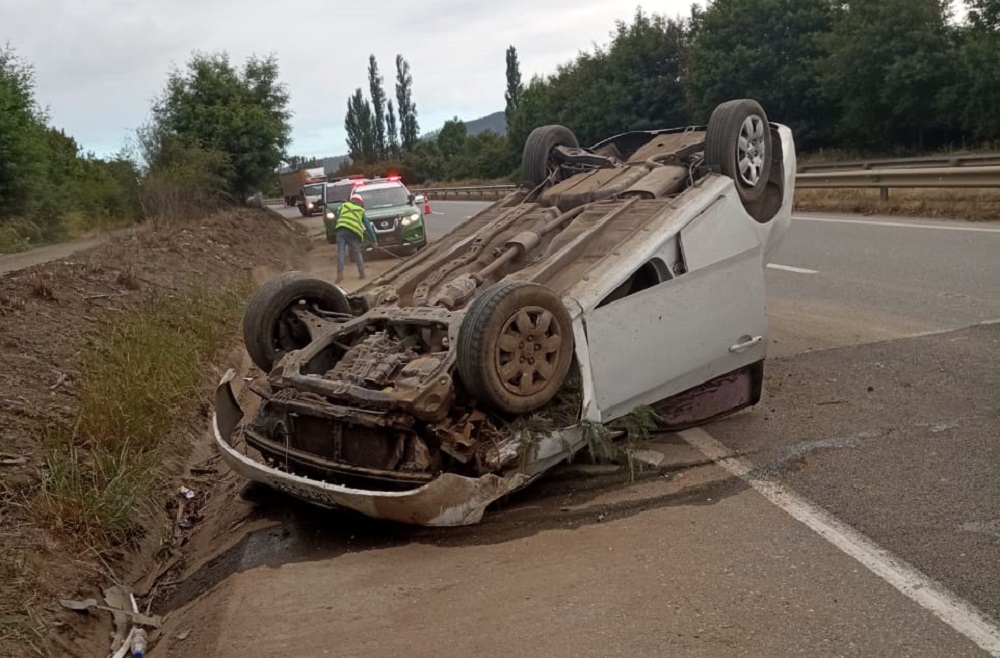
(314, 190)
(385, 197)
(338, 193)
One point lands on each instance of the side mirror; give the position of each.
(420, 198)
(412, 198)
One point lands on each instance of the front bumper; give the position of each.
(447, 500)
(411, 235)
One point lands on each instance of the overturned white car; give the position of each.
(631, 272)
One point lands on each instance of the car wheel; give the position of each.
(739, 142)
(515, 347)
(270, 329)
(536, 160)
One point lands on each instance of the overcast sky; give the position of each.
(98, 63)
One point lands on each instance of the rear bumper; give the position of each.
(447, 500)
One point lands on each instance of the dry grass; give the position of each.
(969, 204)
(140, 373)
(19, 623)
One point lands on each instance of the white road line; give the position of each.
(917, 587)
(789, 268)
(934, 227)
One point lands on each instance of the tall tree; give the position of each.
(392, 131)
(984, 14)
(769, 50)
(22, 142)
(633, 84)
(409, 129)
(974, 96)
(364, 134)
(355, 137)
(452, 138)
(534, 109)
(242, 114)
(514, 86)
(889, 61)
(378, 107)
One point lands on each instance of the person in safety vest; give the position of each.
(352, 223)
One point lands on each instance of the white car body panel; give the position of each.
(706, 318)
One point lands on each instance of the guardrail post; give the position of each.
(883, 194)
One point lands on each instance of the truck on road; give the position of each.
(303, 188)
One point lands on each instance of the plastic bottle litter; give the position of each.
(139, 643)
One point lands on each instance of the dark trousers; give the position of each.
(348, 238)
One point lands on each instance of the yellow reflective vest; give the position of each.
(352, 217)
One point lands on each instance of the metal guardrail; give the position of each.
(937, 161)
(883, 179)
(476, 192)
(953, 177)
(956, 177)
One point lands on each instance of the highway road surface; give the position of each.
(856, 512)
(861, 517)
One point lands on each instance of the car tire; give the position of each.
(269, 329)
(497, 347)
(738, 141)
(536, 157)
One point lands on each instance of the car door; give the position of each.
(682, 333)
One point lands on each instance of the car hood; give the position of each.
(392, 213)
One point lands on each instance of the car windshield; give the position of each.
(314, 190)
(385, 197)
(338, 193)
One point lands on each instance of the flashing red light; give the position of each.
(394, 178)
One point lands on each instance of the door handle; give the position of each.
(746, 343)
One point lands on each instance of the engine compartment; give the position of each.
(376, 397)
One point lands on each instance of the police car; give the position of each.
(396, 214)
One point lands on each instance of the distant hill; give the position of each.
(333, 163)
(496, 122)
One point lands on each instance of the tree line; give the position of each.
(852, 77)
(376, 129)
(215, 136)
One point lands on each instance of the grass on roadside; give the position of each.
(140, 373)
(19, 625)
(973, 204)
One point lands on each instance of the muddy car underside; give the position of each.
(423, 371)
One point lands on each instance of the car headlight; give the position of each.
(409, 219)
(329, 215)
(309, 205)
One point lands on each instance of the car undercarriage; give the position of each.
(424, 372)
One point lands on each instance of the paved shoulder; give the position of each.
(898, 439)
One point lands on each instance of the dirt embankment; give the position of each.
(54, 320)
